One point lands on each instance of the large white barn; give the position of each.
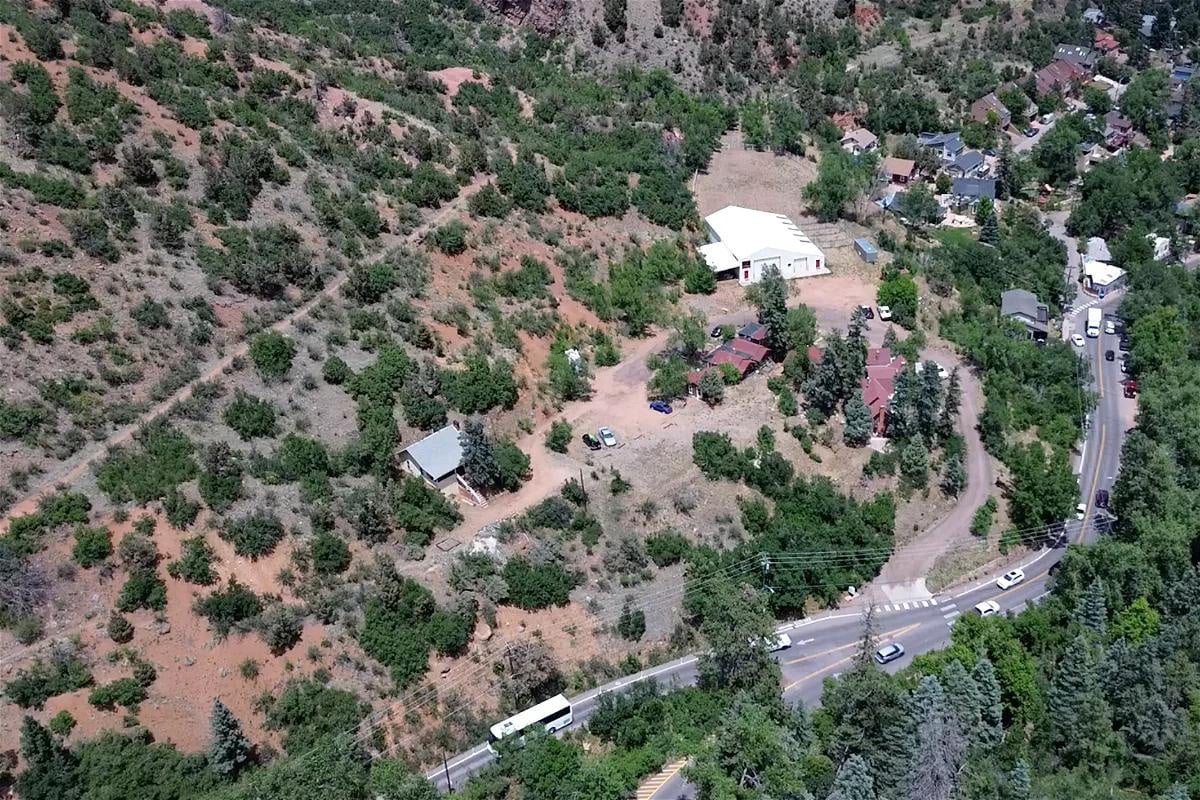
(747, 242)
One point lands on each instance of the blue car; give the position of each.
(661, 406)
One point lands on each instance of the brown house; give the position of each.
(983, 109)
(899, 170)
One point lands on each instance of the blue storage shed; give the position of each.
(867, 250)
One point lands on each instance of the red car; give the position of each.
(1130, 388)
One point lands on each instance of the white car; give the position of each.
(607, 437)
(781, 641)
(1077, 340)
(988, 608)
(1110, 327)
(1010, 578)
(1081, 511)
(943, 373)
(885, 313)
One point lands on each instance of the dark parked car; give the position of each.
(1109, 355)
(591, 442)
(1102, 498)
(715, 333)
(1123, 344)
(661, 406)
(1030, 132)
(867, 312)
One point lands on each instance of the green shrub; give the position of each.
(450, 238)
(981, 522)
(254, 535)
(120, 629)
(336, 371)
(181, 512)
(532, 586)
(559, 436)
(92, 545)
(62, 723)
(281, 627)
(716, 456)
(450, 633)
(250, 417)
(234, 605)
(272, 354)
(667, 548)
(330, 554)
(299, 457)
(125, 692)
(631, 624)
(89, 232)
(144, 589)
(32, 687)
(160, 460)
(195, 563)
(150, 315)
(309, 712)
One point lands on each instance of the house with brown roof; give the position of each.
(898, 170)
(880, 384)
(988, 107)
(1105, 42)
(859, 141)
(1059, 76)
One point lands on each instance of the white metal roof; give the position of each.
(1102, 274)
(745, 232)
(439, 453)
(719, 257)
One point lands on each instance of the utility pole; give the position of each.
(585, 491)
(446, 766)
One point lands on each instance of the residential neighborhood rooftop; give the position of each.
(1101, 273)
(974, 188)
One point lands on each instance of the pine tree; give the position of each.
(950, 405)
(1005, 173)
(230, 751)
(954, 476)
(1019, 782)
(929, 401)
(51, 770)
(770, 296)
(902, 409)
(991, 708)
(965, 701)
(859, 423)
(939, 748)
(1092, 612)
(914, 463)
(1080, 721)
(823, 389)
(478, 457)
(989, 231)
(853, 781)
(1177, 792)
(856, 347)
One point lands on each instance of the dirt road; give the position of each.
(75, 467)
(903, 576)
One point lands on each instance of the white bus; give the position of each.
(553, 714)
(1094, 316)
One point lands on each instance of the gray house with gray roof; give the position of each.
(437, 458)
(1024, 307)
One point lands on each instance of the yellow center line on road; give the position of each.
(882, 637)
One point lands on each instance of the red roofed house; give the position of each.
(880, 383)
(725, 355)
(1059, 76)
(748, 349)
(1105, 42)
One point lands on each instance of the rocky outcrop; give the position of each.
(547, 17)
